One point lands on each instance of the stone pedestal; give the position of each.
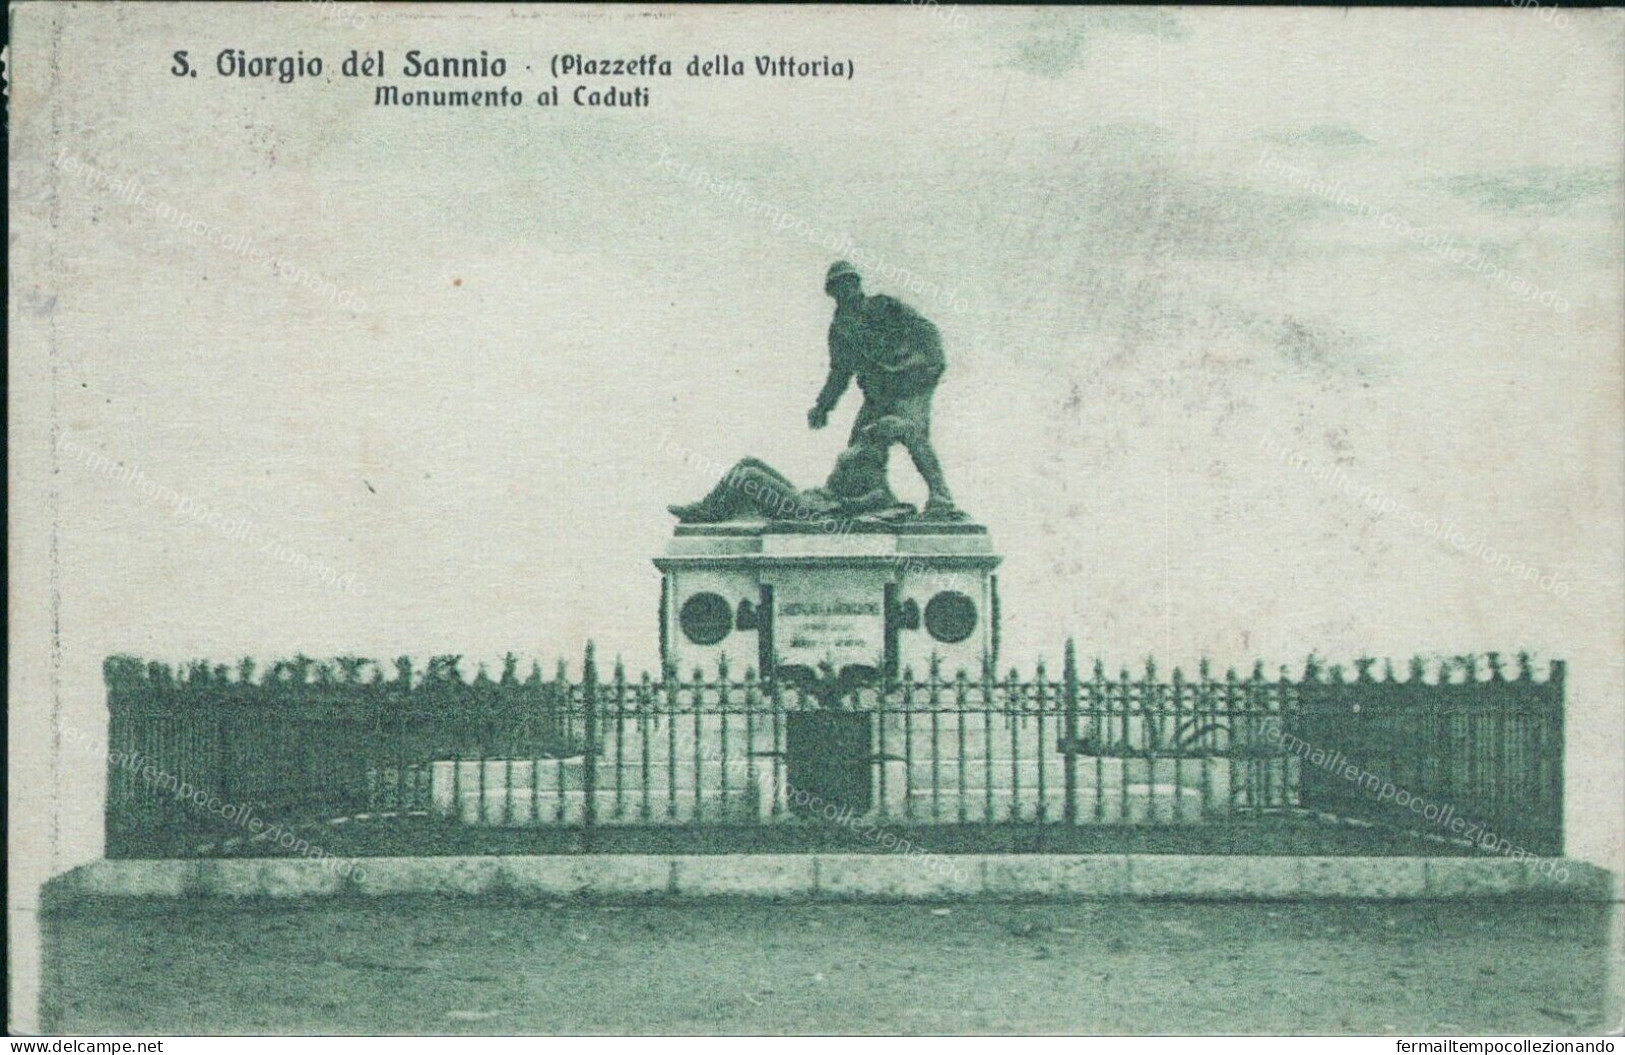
(867, 601)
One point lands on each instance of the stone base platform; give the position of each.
(870, 597)
(930, 877)
(524, 793)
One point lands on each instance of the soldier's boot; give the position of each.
(693, 513)
(939, 505)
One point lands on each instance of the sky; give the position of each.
(1217, 384)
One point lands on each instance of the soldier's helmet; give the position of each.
(837, 271)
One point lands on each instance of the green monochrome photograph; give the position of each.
(792, 521)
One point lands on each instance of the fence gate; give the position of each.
(828, 760)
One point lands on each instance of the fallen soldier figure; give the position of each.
(856, 487)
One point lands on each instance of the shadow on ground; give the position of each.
(423, 965)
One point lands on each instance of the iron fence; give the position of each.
(338, 758)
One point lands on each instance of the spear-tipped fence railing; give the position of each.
(207, 760)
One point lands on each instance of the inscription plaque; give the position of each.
(840, 630)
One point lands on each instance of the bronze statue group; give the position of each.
(896, 356)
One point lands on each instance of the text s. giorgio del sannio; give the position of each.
(430, 80)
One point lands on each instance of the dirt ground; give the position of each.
(421, 965)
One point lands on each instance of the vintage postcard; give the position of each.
(802, 520)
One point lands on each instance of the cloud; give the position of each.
(1318, 347)
(1058, 41)
(1321, 135)
(1534, 189)
(1133, 140)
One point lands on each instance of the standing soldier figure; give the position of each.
(896, 355)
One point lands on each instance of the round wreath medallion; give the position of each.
(705, 618)
(950, 617)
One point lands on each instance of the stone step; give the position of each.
(521, 808)
(1110, 772)
(920, 749)
(1143, 803)
(570, 774)
(552, 775)
(767, 803)
(975, 739)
